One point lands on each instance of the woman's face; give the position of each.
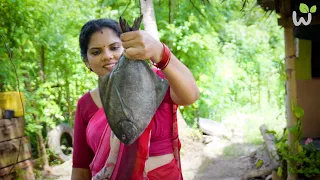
(104, 51)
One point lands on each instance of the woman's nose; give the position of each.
(107, 54)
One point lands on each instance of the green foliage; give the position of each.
(302, 159)
(236, 57)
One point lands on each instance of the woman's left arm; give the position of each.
(183, 87)
(141, 45)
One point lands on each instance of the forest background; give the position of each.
(235, 52)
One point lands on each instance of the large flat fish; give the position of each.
(130, 94)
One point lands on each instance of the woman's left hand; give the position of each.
(140, 45)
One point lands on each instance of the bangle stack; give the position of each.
(165, 59)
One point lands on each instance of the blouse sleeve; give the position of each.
(167, 97)
(82, 153)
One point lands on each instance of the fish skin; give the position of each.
(130, 94)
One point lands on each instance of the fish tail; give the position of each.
(125, 26)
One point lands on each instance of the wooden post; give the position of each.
(291, 90)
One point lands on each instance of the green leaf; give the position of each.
(271, 132)
(293, 106)
(300, 149)
(279, 172)
(259, 163)
(299, 112)
(313, 9)
(303, 8)
(294, 130)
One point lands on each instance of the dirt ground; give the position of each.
(219, 158)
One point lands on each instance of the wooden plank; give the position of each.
(22, 170)
(9, 151)
(11, 128)
(309, 100)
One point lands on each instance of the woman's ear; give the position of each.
(87, 64)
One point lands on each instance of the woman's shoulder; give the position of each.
(85, 99)
(87, 106)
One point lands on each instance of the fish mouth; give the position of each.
(128, 131)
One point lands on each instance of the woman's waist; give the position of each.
(161, 146)
(154, 162)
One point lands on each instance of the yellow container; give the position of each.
(11, 101)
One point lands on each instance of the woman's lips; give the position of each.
(109, 66)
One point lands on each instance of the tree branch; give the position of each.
(197, 9)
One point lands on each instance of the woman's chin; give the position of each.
(105, 72)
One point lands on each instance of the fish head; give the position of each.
(128, 132)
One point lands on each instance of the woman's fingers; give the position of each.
(129, 36)
(134, 53)
(132, 44)
(138, 45)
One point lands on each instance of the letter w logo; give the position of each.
(303, 9)
(301, 20)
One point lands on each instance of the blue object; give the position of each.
(8, 114)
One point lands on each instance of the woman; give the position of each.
(101, 44)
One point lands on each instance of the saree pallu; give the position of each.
(116, 161)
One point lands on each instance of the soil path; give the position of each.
(220, 159)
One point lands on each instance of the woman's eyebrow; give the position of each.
(99, 47)
(115, 43)
(94, 48)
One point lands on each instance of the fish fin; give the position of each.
(123, 106)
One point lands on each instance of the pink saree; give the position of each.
(114, 160)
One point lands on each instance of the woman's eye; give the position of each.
(95, 52)
(114, 48)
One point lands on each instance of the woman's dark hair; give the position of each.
(91, 27)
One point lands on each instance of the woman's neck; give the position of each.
(96, 97)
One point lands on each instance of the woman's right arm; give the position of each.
(82, 153)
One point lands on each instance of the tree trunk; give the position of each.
(40, 137)
(171, 11)
(43, 153)
(259, 89)
(149, 19)
(69, 101)
(150, 25)
(291, 90)
(42, 64)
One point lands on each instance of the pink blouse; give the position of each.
(84, 149)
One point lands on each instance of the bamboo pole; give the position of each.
(291, 89)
